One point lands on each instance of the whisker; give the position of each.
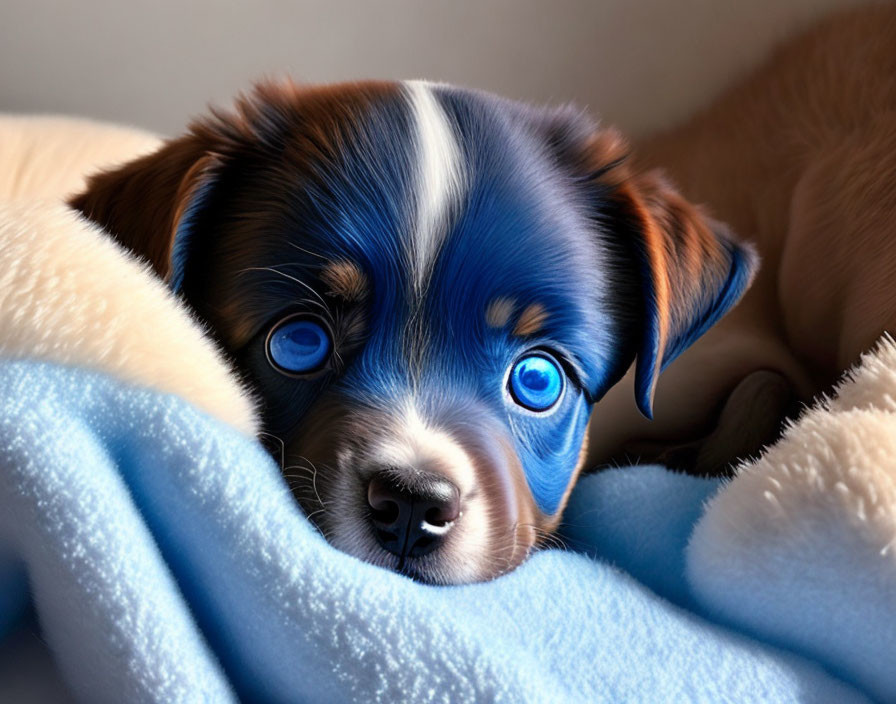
(311, 473)
(307, 251)
(282, 447)
(285, 276)
(311, 515)
(313, 479)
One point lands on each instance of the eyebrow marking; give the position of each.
(345, 280)
(439, 182)
(499, 311)
(531, 320)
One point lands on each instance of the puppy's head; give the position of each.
(429, 288)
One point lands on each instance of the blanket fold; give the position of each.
(160, 543)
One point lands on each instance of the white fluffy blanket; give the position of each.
(800, 548)
(69, 295)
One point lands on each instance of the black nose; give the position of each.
(411, 517)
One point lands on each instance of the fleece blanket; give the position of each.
(166, 561)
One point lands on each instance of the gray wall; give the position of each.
(639, 63)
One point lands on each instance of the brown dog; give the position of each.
(800, 159)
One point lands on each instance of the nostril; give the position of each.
(384, 499)
(442, 512)
(411, 514)
(387, 512)
(442, 506)
(436, 517)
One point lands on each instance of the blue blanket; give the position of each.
(167, 562)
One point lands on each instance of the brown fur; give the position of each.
(345, 280)
(498, 312)
(799, 158)
(530, 320)
(165, 179)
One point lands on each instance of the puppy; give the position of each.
(429, 288)
(800, 159)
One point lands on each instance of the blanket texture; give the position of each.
(166, 560)
(168, 563)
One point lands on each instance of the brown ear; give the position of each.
(692, 271)
(146, 204)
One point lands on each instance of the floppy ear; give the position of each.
(148, 203)
(692, 271)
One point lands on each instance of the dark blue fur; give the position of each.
(528, 229)
(521, 232)
(181, 245)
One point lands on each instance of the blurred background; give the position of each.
(640, 64)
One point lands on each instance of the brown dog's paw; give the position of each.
(750, 419)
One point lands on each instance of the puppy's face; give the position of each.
(429, 289)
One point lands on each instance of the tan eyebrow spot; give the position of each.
(499, 311)
(531, 320)
(344, 279)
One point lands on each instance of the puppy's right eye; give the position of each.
(536, 382)
(299, 345)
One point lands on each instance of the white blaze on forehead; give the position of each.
(439, 183)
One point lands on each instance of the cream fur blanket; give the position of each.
(69, 294)
(800, 547)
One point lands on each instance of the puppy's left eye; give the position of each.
(299, 345)
(536, 382)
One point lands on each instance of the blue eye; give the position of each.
(536, 382)
(299, 346)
